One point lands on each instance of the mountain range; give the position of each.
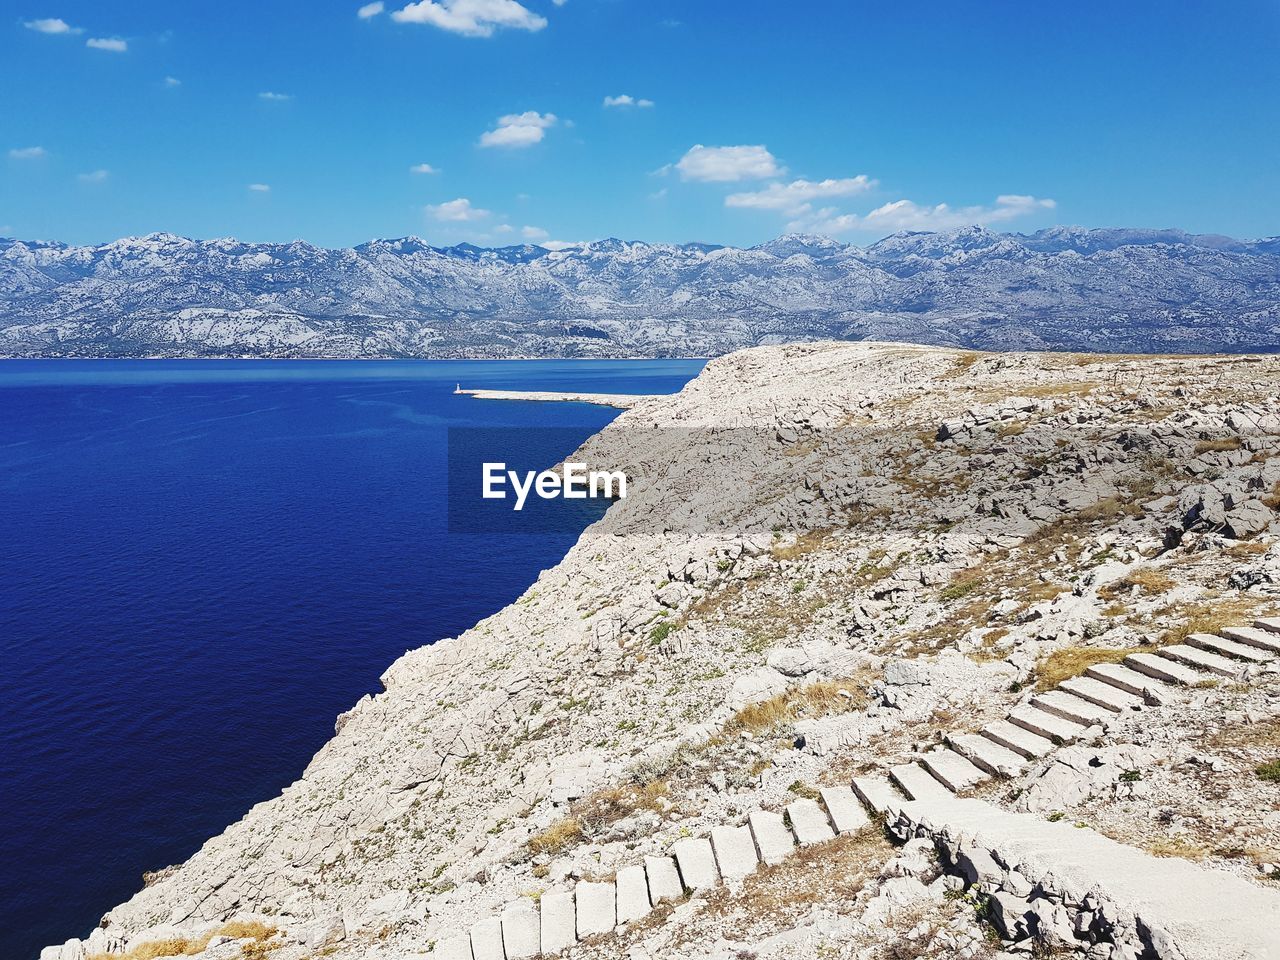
(1120, 290)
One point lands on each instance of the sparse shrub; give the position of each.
(1269, 772)
(1131, 776)
(802, 789)
(1055, 816)
(660, 633)
(958, 589)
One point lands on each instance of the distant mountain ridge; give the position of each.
(1064, 287)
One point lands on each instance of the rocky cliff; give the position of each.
(832, 557)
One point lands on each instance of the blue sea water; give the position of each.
(201, 564)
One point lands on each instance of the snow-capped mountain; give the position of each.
(162, 295)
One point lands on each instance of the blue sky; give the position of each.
(740, 120)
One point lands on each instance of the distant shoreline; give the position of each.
(367, 359)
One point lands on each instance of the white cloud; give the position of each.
(518, 129)
(110, 44)
(626, 100)
(97, 176)
(724, 164)
(51, 25)
(534, 234)
(423, 168)
(272, 97)
(560, 244)
(471, 18)
(172, 82)
(260, 187)
(371, 10)
(907, 215)
(457, 211)
(27, 153)
(794, 198)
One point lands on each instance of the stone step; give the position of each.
(1101, 694)
(697, 864)
(952, 770)
(1264, 638)
(844, 811)
(1163, 669)
(633, 892)
(1018, 739)
(1270, 624)
(597, 905)
(774, 842)
(664, 880)
(987, 755)
(559, 920)
(1203, 660)
(876, 792)
(486, 939)
(917, 783)
(735, 851)
(1070, 707)
(1048, 725)
(1230, 648)
(521, 938)
(1187, 909)
(809, 822)
(1126, 679)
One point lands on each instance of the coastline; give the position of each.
(618, 674)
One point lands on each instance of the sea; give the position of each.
(202, 563)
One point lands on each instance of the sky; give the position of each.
(556, 121)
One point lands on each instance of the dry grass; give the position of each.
(961, 365)
(822, 699)
(1218, 446)
(806, 542)
(1109, 509)
(1060, 389)
(260, 933)
(1212, 615)
(1272, 500)
(1250, 548)
(1012, 428)
(834, 871)
(1147, 579)
(608, 806)
(561, 835)
(1071, 662)
(1176, 847)
(1259, 737)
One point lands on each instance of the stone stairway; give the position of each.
(918, 799)
(1058, 717)
(729, 853)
